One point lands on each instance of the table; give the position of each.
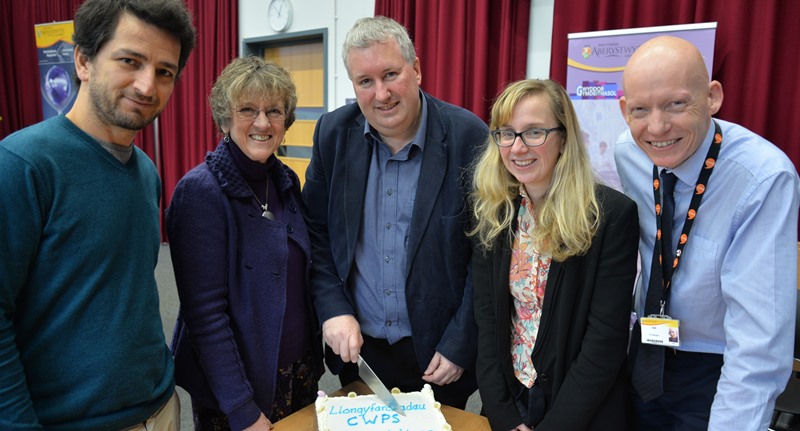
(305, 419)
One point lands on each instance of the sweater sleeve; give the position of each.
(198, 233)
(20, 228)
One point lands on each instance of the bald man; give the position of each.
(732, 288)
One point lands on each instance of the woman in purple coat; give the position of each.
(246, 344)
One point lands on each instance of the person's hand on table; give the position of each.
(262, 424)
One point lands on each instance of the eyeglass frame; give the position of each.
(496, 132)
(280, 115)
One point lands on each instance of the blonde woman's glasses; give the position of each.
(532, 137)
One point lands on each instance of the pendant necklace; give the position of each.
(267, 214)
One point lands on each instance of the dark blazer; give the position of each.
(438, 288)
(581, 346)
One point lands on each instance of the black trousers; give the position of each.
(690, 383)
(396, 365)
(531, 404)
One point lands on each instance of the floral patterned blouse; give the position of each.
(527, 280)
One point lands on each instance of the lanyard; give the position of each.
(699, 190)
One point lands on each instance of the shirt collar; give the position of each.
(372, 135)
(689, 171)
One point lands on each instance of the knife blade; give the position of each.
(371, 379)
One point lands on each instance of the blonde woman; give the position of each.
(553, 270)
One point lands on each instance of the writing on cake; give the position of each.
(367, 413)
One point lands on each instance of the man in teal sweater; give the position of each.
(81, 342)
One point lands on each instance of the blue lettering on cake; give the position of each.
(373, 419)
(414, 406)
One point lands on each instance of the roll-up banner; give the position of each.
(595, 62)
(56, 66)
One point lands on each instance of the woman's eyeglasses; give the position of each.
(251, 113)
(532, 137)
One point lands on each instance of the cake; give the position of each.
(368, 413)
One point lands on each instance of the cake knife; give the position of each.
(371, 379)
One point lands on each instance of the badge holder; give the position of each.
(661, 330)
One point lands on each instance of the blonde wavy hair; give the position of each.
(568, 216)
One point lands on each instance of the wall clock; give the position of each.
(280, 14)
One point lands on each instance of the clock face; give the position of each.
(280, 14)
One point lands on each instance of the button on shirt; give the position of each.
(379, 278)
(734, 291)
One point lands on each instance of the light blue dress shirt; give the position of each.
(379, 279)
(735, 289)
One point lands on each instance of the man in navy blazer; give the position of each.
(386, 194)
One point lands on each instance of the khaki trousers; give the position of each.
(167, 418)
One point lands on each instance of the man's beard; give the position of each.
(111, 114)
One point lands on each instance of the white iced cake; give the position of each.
(367, 413)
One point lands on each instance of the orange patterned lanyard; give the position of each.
(699, 189)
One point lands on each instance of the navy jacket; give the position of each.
(230, 267)
(439, 286)
(582, 341)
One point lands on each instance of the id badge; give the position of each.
(661, 331)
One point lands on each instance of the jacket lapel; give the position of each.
(431, 176)
(358, 154)
(554, 282)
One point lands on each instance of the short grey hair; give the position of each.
(371, 30)
(251, 78)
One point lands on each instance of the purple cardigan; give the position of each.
(231, 268)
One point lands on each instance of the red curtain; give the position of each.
(753, 56)
(21, 100)
(185, 129)
(468, 49)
